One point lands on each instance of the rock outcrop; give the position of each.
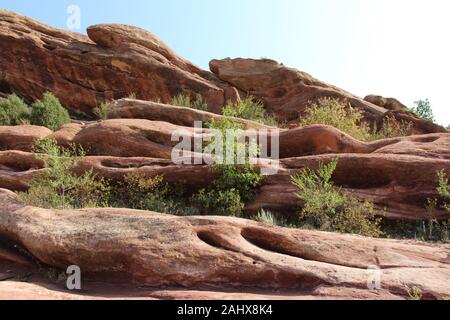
(112, 62)
(138, 109)
(285, 91)
(21, 137)
(398, 175)
(390, 104)
(139, 254)
(151, 249)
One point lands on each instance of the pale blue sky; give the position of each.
(398, 48)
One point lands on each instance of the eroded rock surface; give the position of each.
(138, 109)
(391, 104)
(21, 137)
(112, 62)
(147, 248)
(285, 91)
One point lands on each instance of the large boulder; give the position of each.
(112, 62)
(21, 137)
(287, 92)
(152, 249)
(391, 104)
(130, 137)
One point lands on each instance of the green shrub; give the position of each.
(58, 187)
(266, 217)
(336, 113)
(392, 128)
(137, 191)
(102, 111)
(182, 100)
(269, 218)
(423, 109)
(327, 208)
(49, 112)
(343, 116)
(219, 202)
(13, 111)
(236, 183)
(229, 193)
(249, 109)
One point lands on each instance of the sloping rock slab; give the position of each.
(147, 248)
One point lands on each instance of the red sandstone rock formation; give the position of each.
(147, 248)
(112, 62)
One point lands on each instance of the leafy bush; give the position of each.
(391, 128)
(13, 111)
(219, 202)
(423, 109)
(102, 111)
(327, 208)
(153, 194)
(228, 194)
(249, 109)
(235, 183)
(336, 113)
(49, 112)
(343, 116)
(269, 218)
(182, 100)
(58, 187)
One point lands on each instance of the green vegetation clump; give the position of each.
(391, 128)
(102, 111)
(13, 111)
(423, 109)
(336, 113)
(341, 115)
(236, 183)
(57, 187)
(326, 207)
(269, 218)
(138, 191)
(249, 109)
(182, 100)
(49, 112)
(230, 191)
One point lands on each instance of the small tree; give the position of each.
(49, 112)
(423, 109)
